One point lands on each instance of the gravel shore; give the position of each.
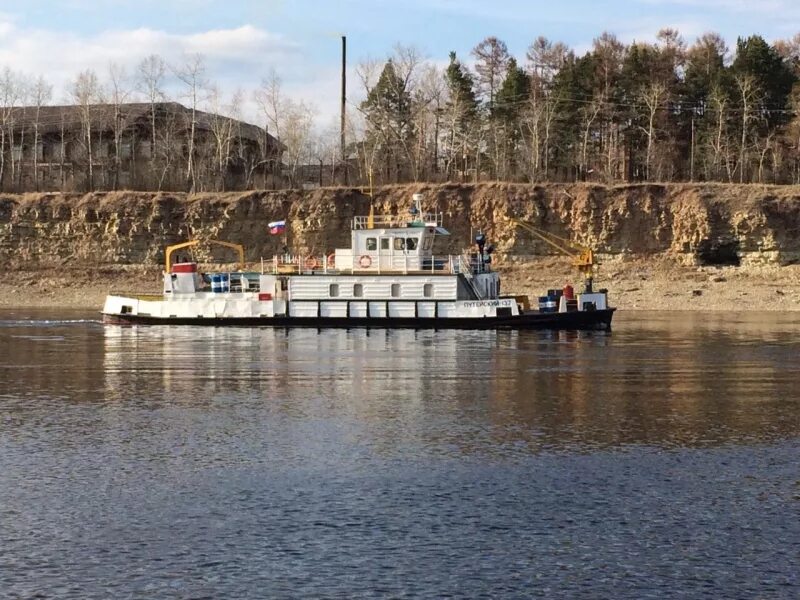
(658, 284)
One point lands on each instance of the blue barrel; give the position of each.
(548, 304)
(220, 283)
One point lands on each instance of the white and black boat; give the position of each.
(389, 277)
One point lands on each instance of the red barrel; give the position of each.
(569, 292)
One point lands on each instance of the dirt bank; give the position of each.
(633, 285)
(676, 246)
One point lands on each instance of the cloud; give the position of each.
(234, 57)
(735, 5)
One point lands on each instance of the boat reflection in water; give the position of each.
(474, 391)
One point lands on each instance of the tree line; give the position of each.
(96, 134)
(662, 111)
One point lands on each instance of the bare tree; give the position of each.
(538, 118)
(652, 96)
(491, 61)
(748, 93)
(268, 98)
(588, 116)
(118, 94)
(430, 102)
(85, 94)
(192, 74)
(291, 122)
(168, 147)
(41, 94)
(149, 80)
(546, 59)
(223, 125)
(407, 61)
(9, 96)
(18, 150)
(719, 140)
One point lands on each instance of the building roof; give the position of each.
(53, 118)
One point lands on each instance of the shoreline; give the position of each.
(634, 285)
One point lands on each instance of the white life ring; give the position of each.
(364, 261)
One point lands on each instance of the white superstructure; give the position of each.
(389, 272)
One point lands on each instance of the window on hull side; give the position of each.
(358, 290)
(395, 290)
(427, 290)
(334, 290)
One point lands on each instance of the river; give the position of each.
(660, 459)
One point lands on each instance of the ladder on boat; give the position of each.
(465, 268)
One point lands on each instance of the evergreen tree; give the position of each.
(511, 100)
(513, 93)
(573, 85)
(462, 120)
(773, 75)
(390, 125)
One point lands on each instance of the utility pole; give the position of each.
(342, 141)
(691, 154)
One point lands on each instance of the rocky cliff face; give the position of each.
(703, 223)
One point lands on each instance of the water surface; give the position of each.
(155, 462)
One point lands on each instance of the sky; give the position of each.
(242, 40)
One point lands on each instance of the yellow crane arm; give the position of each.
(582, 257)
(170, 249)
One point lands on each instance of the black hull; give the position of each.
(597, 319)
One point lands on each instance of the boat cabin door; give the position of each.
(385, 253)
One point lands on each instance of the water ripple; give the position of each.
(155, 462)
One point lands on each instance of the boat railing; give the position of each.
(472, 264)
(469, 264)
(396, 263)
(398, 221)
(288, 264)
(352, 263)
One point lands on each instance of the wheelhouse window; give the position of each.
(427, 290)
(333, 292)
(411, 243)
(395, 290)
(384, 243)
(372, 244)
(358, 290)
(399, 243)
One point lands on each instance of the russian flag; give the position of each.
(277, 227)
